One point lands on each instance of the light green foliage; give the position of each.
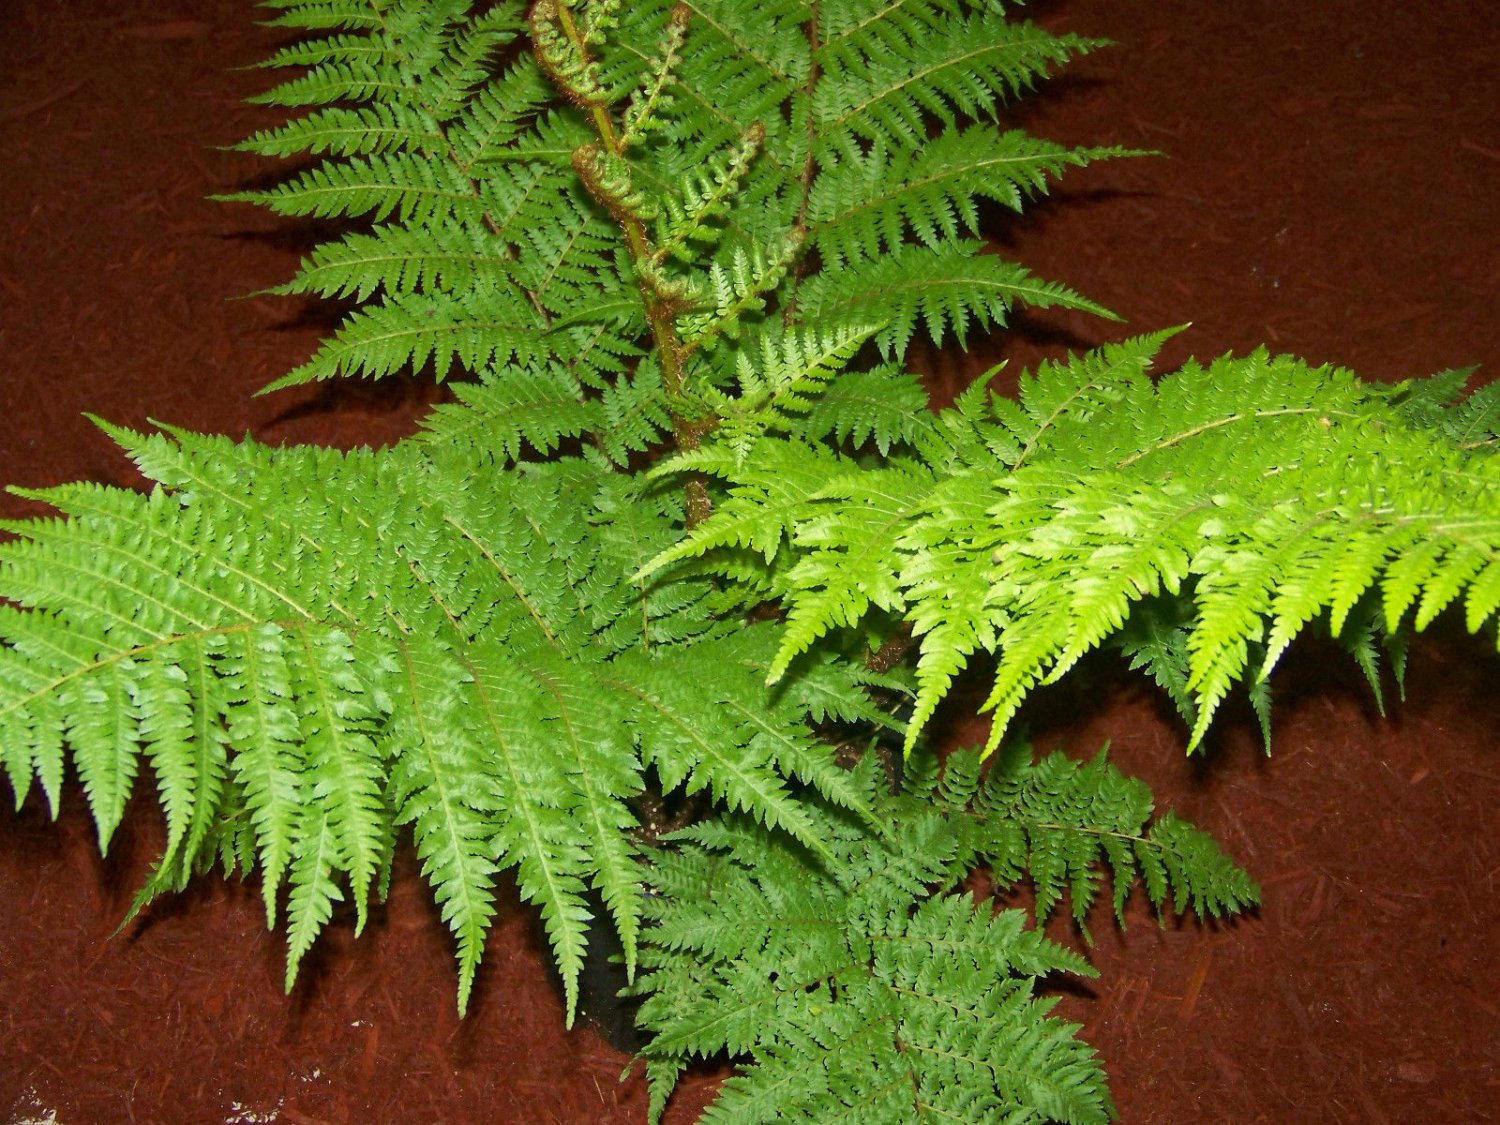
(701, 237)
(1231, 505)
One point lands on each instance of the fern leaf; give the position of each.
(319, 15)
(467, 658)
(519, 407)
(344, 773)
(314, 891)
(948, 288)
(266, 764)
(698, 736)
(957, 67)
(866, 205)
(440, 783)
(880, 407)
(443, 256)
(341, 131)
(1267, 492)
(1060, 823)
(185, 774)
(378, 185)
(854, 995)
(412, 331)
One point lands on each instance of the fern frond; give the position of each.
(379, 185)
(779, 374)
(882, 406)
(882, 88)
(867, 205)
(636, 413)
(446, 257)
(1267, 492)
(947, 288)
(341, 131)
(536, 407)
(849, 990)
(319, 15)
(483, 328)
(467, 658)
(1059, 823)
(440, 782)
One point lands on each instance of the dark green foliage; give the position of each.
(861, 995)
(701, 237)
(304, 672)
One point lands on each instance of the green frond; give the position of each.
(768, 493)
(1266, 492)
(779, 374)
(313, 889)
(440, 782)
(860, 987)
(445, 257)
(867, 205)
(468, 657)
(944, 289)
(882, 406)
(347, 76)
(379, 185)
(513, 409)
(1477, 421)
(838, 587)
(451, 84)
(882, 88)
(497, 114)
(846, 989)
(737, 65)
(701, 736)
(342, 131)
(736, 290)
(636, 414)
(1061, 824)
(325, 49)
(344, 771)
(1155, 637)
(480, 329)
(319, 15)
(1185, 863)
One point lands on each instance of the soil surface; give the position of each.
(1331, 188)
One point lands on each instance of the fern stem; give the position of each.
(809, 164)
(1248, 416)
(660, 311)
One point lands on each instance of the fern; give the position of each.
(683, 523)
(1257, 494)
(460, 661)
(860, 995)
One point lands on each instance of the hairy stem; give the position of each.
(660, 310)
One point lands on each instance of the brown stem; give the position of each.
(889, 654)
(660, 312)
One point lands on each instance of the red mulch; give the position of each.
(1332, 188)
